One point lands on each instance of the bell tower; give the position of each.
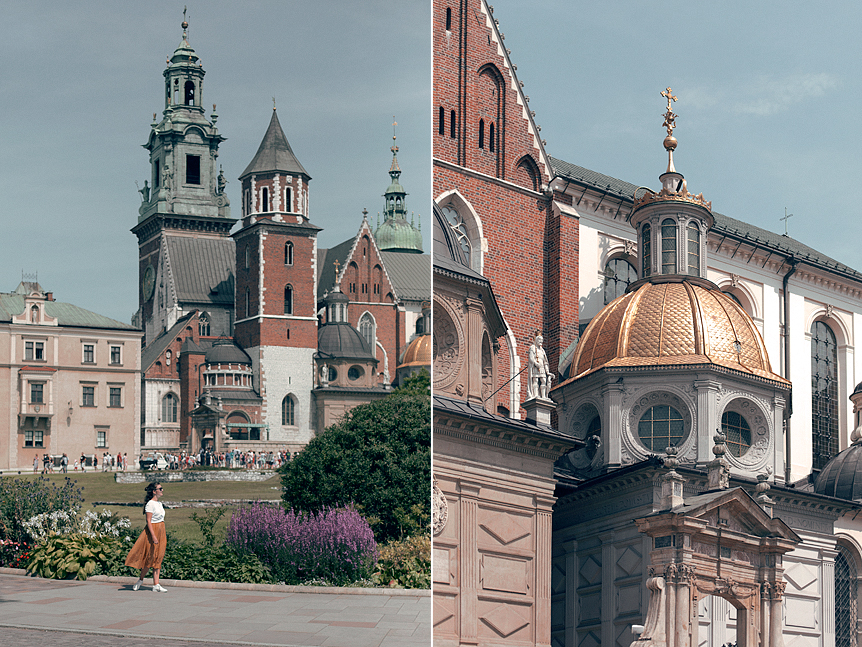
(185, 194)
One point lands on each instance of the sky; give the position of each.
(768, 102)
(81, 81)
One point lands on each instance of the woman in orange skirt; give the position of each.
(149, 549)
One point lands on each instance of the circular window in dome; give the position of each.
(738, 433)
(354, 373)
(333, 374)
(661, 427)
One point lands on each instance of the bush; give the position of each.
(73, 556)
(14, 554)
(23, 499)
(378, 458)
(333, 545)
(405, 563)
(189, 561)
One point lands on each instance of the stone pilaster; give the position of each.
(468, 564)
(542, 622)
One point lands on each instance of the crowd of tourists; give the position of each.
(231, 459)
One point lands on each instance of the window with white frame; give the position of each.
(88, 395)
(37, 392)
(115, 396)
(101, 437)
(116, 355)
(34, 438)
(169, 408)
(34, 351)
(89, 353)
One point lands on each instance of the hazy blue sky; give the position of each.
(769, 97)
(81, 81)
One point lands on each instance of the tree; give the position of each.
(377, 457)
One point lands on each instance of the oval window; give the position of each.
(332, 374)
(661, 427)
(354, 373)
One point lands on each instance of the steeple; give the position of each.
(396, 234)
(274, 153)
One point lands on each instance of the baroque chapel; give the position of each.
(692, 475)
(255, 338)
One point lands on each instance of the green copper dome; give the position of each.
(396, 234)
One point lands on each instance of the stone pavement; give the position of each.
(35, 611)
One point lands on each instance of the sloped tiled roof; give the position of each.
(203, 268)
(326, 267)
(410, 274)
(751, 234)
(274, 153)
(66, 314)
(156, 347)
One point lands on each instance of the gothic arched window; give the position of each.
(481, 133)
(452, 119)
(288, 253)
(367, 329)
(204, 326)
(491, 137)
(846, 613)
(169, 408)
(646, 238)
(288, 299)
(288, 411)
(668, 246)
(824, 394)
(619, 274)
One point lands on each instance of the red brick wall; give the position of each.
(532, 256)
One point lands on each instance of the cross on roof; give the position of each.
(336, 266)
(667, 95)
(786, 217)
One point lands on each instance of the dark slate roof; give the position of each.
(842, 476)
(232, 395)
(156, 347)
(474, 411)
(66, 314)
(342, 341)
(274, 153)
(410, 274)
(225, 351)
(784, 245)
(203, 269)
(326, 267)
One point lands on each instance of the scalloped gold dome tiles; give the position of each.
(418, 352)
(671, 324)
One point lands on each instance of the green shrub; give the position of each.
(405, 563)
(23, 499)
(377, 457)
(73, 556)
(188, 561)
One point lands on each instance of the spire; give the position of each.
(396, 234)
(274, 153)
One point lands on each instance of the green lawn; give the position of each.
(100, 486)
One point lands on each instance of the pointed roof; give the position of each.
(274, 153)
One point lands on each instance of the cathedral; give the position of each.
(254, 337)
(691, 477)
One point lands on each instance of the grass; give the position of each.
(100, 486)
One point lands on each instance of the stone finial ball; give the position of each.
(670, 143)
(185, 25)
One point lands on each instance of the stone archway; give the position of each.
(720, 543)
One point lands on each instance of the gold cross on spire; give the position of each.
(336, 267)
(669, 117)
(394, 148)
(273, 103)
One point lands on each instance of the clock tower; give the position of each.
(184, 219)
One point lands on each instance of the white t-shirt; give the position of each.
(157, 509)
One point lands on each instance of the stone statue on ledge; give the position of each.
(539, 370)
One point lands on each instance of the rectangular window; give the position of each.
(33, 438)
(40, 351)
(28, 350)
(101, 438)
(116, 358)
(193, 169)
(88, 396)
(115, 397)
(89, 353)
(157, 174)
(37, 393)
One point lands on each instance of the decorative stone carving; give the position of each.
(447, 341)
(719, 469)
(538, 370)
(439, 508)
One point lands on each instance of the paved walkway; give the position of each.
(66, 613)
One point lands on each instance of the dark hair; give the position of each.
(151, 490)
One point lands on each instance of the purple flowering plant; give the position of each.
(335, 545)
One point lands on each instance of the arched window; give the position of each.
(288, 300)
(288, 202)
(846, 614)
(247, 255)
(481, 133)
(169, 408)
(448, 18)
(190, 93)
(441, 121)
(824, 394)
(288, 253)
(693, 250)
(619, 273)
(264, 199)
(491, 137)
(452, 133)
(668, 246)
(738, 433)
(288, 411)
(367, 329)
(204, 326)
(646, 252)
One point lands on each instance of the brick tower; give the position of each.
(185, 214)
(276, 294)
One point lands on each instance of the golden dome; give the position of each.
(673, 323)
(418, 352)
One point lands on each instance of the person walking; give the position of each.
(149, 550)
(64, 463)
(35, 463)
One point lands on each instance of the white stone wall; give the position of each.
(280, 371)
